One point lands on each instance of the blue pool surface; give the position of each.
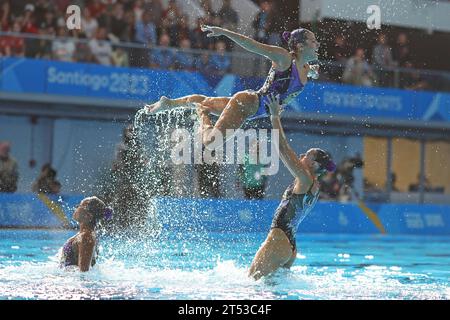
(204, 265)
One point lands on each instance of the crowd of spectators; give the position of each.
(120, 33)
(357, 69)
(145, 33)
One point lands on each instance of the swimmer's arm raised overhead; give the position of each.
(287, 154)
(85, 252)
(279, 56)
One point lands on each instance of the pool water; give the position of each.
(214, 266)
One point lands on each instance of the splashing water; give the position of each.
(214, 266)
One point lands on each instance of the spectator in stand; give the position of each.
(163, 57)
(338, 53)
(9, 172)
(13, 45)
(44, 47)
(5, 11)
(97, 8)
(29, 26)
(129, 33)
(263, 22)
(46, 182)
(415, 187)
(345, 169)
(220, 61)
(138, 10)
(89, 24)
(63, 48)
(382, 53)
(199, 41)
(382, 59)
(29, 20)
(172, 13)
(17, 8)
(83, 51)
(207, 7)
(169, 21)
(146, 30)
(275, 25)
(48, 21)
(40, 10)
(184, 59)
(182, 30)
(101, 48)
(156, 9)
(394, 182)
(228, 15)
(413, 79)
(340, 49)
(402, 53)
(118, 26)
(61, 5)
(329, 186)
(120, 57)
(358, 71)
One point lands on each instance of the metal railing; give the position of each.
(240, 62)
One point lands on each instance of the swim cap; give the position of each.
(98, 209)
(324, 159)
(295, 37)
(108, 213)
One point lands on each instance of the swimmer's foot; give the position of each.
(163, 104)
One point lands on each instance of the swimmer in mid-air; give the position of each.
(81, 249)
(279, 249)
(287, 77)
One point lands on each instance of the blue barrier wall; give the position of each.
(187, 215)
(91, 80)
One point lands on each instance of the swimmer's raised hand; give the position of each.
(275, 105)
(213, 31)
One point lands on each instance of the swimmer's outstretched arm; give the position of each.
(287, 154)
(279, 56)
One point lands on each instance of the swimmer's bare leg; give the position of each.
(239, 107)
(216, 104)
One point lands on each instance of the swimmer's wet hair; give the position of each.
(325, 161)
(98, 209)
(295, 37)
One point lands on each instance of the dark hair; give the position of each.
(324, 160)
(295, 37)
(98, 209)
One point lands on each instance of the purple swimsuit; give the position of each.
(286, 84)
(70, 257)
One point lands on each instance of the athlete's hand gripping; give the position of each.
(275, 105)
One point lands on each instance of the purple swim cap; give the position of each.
(295, 37)
(108, 213)
(331, 166)
(324, 159)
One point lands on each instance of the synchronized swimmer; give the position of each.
(287, 78)
(279, 249)
(81, 249)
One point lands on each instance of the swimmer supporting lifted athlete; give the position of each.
(287, 77)
(279, 249)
